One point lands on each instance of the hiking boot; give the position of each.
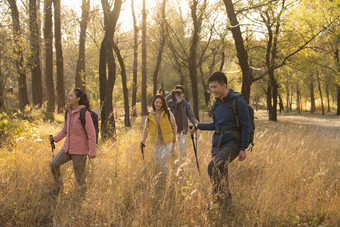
(57, 189)
(224, 200)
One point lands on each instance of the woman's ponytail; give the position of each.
(83, 98)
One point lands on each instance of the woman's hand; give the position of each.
(92, 156)
(141, 145)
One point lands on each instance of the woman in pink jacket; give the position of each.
(78, 143)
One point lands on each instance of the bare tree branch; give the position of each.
(283, 62)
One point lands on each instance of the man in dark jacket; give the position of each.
(228, 141)
(182, 110)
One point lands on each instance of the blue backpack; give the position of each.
(251, 118)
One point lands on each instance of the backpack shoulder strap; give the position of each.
(234, 107)
(172, 105)
(214, 105)
(186, 107)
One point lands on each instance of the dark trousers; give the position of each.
(79, 166)
(218, 167)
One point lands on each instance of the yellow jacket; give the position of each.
(159, 125)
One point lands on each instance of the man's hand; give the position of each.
(242, 155)
(191, 129)
(196, 121)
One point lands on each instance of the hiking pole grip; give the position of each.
(143, 145)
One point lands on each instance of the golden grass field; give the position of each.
(291, 178)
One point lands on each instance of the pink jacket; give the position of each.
(76, 141)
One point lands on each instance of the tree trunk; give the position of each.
(338, 100)
(59, 58)
(242, 54)
(144, 71)
(298, 99)
(2, 82)
(222, 60)
(287, 100)
(80, 79)
(269, 97)
(158, 64)
(106, 81)
(312, 97)
(291, 100)
(320, 92)
(182, 77)
(257, 99)
(206, 90)
(281, 103)
(161, 48)
(135, 61)
(37, 88)
(125, 89)
(161, 90)
(274, 87)
(197, 23)
(107, 78)
(327, 94)
(23, 97)
(48, 37)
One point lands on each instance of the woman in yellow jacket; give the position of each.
(161, 126)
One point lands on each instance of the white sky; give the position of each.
(125, 16)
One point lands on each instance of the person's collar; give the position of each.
(223, 99)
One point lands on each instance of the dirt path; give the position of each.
(327, 123)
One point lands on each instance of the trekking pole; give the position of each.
(52, 145)
(142, 149)
(193, 143)
(196, 139)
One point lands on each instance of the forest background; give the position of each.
(283, 55)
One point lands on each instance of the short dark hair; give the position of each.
(219, 77)
(179, 87)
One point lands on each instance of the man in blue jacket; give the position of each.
(229, 141)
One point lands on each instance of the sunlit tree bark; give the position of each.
(107, 67)
(59, 58)
(144, 69)
(48, 38)
(37, 88)
(80, 70)
(135, 60)
(19, 58)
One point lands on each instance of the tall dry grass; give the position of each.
(290, 178)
